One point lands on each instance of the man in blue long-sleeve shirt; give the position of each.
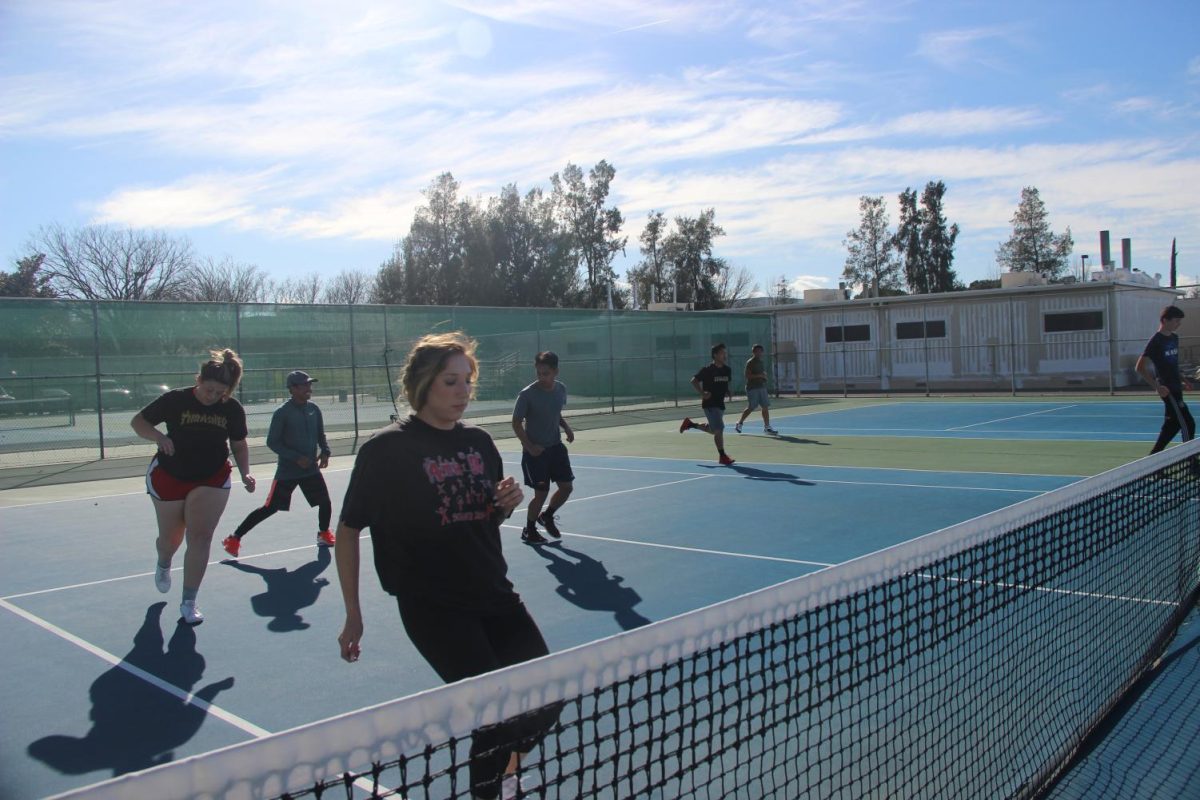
(297, 432)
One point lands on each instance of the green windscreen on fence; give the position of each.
(73, 372)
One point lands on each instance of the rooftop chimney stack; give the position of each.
(1127, 253)
(1105, 251)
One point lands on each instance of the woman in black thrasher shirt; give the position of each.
(433, 492)
(189, 477)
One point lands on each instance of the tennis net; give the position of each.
(970, 662)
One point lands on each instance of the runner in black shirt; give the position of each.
(189, 477)
(714, 382)
(433, 492)
(1163, 352)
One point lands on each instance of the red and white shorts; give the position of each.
(162, 486)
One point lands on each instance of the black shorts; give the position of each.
(553, 465)
(313, 486)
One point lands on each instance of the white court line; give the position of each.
(1018, 416)
(1050, 590)
(685, 549)
(187, 697)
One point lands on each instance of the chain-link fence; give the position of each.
(73, 373)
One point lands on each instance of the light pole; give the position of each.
(1083, 266)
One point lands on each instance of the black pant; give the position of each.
(462, 644)
(1176, 417)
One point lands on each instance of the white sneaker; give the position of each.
(769, 430)
(162, 578)
(738, 427)
(191, 615)
(514, 786)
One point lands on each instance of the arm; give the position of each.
(142, 427)
(1143, 368)
(241, 455)
(322, 442)
(275, 438)
(345, 553)
(566, 426)
(699, 387)
(518, 426)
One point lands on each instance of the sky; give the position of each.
(300, 136)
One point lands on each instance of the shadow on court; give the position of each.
(586, 583)
(136, 725)
(797, 440)
(287, 591)
(755, 474)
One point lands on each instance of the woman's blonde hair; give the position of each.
(223, 366)
(427, 360)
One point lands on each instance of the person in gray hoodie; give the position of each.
(297, 431)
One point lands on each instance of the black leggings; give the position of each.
(324, 513)
(1176, 418)
(461, 644)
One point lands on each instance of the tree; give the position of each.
(388, 287)
(27, 280)
(101, 263)
(305, 290)
(1033, 247)
(937, 240)
(871, 261)
(734, 285)
(689, 251)
(349, 287)
(593, 229)
(783, 291)
(908, 244)
(436, 248)
(532, 257)
(227, 282)
(651, 275)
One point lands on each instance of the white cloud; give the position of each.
(964, 47)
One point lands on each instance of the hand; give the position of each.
(249, 482)
(705, 395)
(323, 461)
(508, 495)
(1162, 391)
(166, 445)
(570, 436)
(303, 462)
(350, 637)
(535, 450)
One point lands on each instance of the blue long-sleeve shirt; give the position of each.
(297, 431)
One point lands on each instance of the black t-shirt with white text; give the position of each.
(1163, 352)
(199, 432)
(428, 497)
(717, 382)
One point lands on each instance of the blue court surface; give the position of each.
(102, 679)
(1085, 420)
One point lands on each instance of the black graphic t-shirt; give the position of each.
(716, 381)
(428, 497)
(1163, 352)
(200, 432)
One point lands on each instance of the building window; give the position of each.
(1069, 321)
(932, 329)
(847, 333)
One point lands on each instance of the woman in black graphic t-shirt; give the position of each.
(189, 477)
(433, 493)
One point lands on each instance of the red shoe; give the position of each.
(725, 460)
(326, 539)
(687, 424)
(232, 545)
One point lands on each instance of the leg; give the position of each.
(202, 511)
(1170, 427)
(719, 440)
(170, 529)
(253, 518)
(560, 496)
(540, 493)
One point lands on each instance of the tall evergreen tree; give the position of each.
(594, 229)
(907, 242)
(27, 280)
(871, 261)
(937, 240)
(1033, 246)
(689, 251)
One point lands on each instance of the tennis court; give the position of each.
(104, 682)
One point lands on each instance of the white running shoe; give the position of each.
(191, 615)
(738, 427)
(770, 431)
(513, 787)
(162, 578)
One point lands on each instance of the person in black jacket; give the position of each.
(433, 492)
(296, 434)
(189, 477)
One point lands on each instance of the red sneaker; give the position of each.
(326, 539)
(232, 545)
(725, 460)
(687, 424)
